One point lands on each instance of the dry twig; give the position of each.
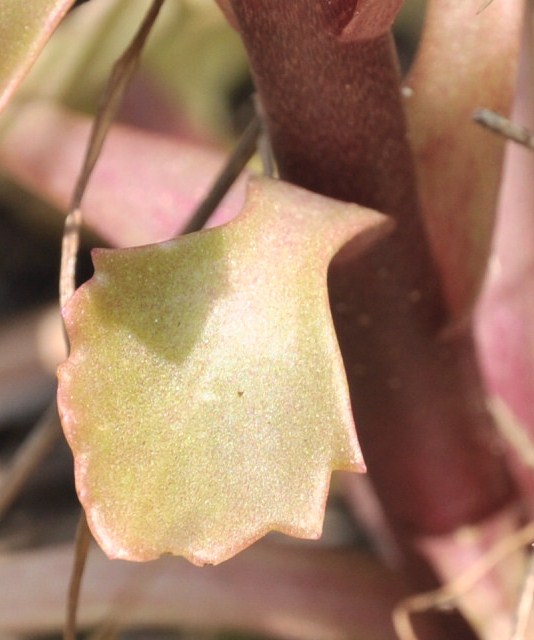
(452, 591)
(28, 456)
(503, 126)
(119, 80)
(81, 549)
(484, 6)
(265, 148)
(121, 75)
(243, 152)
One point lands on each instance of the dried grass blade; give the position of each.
(28, 456)
(81, 549)
(503, 126)
(121, 75)
(453, 590)
(237, 161)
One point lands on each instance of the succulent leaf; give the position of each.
(205, 398)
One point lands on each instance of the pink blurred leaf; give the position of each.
(505, 319)
(282, 591)
(25, 28)
(466, 60)
(205, 398)
(505, 313)
(144, 187)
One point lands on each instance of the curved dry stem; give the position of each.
(28, 456)
(505, 127)
(119, 80)
(452, 591)
(237, 161)
(70, 244)
(81, 549)
(484, 6)
(265, 149)
(111, 99)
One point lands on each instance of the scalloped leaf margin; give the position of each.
(205, 398)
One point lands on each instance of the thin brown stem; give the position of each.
(504, 127)
(118, 82)
(265, 148)
(69, 255)
(485, 5)
(237, 161)
(28, 456)
(81, 549)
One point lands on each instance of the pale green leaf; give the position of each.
(205, 398)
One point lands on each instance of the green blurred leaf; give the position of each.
(192, 60)
(24, 29)
(205, 398)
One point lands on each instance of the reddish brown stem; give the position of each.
(337, 127)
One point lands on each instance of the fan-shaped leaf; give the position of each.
(205, 398)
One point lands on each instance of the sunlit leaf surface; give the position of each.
(205, 398)
(24, 29)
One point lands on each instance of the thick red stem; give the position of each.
(335, 118)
